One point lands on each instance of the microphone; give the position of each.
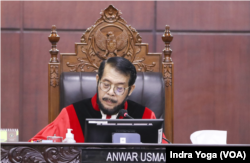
(124, 113)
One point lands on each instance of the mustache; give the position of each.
(106, 99)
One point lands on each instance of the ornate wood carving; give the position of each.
(45, 154)
(54, 79)
(62, 154)
(54, 38)
(167, 76)
(4, 156)
(25, 154)
(167, 38)
(143, 67)
(110, 36)
(110, 15)
(83, 62)
(167, 61)
(53, 76)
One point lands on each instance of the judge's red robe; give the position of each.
(74, 115)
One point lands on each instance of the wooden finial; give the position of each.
(167, 38)
(54, 38)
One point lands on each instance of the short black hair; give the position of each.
(122, 65)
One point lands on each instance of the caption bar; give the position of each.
(199, 154)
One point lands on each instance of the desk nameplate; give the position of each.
(123, 155)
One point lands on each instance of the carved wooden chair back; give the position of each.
(111, 36)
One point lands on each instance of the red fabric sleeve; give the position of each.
(58, 126)
(66, 119)
(149, 114)
(75, 124)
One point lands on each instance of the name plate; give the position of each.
(124, 155)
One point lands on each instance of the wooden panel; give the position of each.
(148, 38)
(211, 91)
(35, 88)
(67, 41)
(81, 15)
(204, 15)
(10, 14)
(10, 88)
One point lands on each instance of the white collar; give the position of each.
(104, 116)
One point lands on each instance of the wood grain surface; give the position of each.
(80, 15)
(10, 80)
(10, 14)
(209, 15)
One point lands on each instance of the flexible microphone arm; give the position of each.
(128, 116)
(124, 113)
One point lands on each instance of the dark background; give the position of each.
(211, 53)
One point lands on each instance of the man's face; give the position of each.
(109, 102)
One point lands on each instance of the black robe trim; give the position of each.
(135, 110)
(84, 109)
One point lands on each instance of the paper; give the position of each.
(209, 137)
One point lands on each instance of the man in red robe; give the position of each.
(115, 82)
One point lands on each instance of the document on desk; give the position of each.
(9, 135)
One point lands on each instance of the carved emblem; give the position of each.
(111, 43)
(167, 69)
(109, 37)
(110, 15)
(54, 81)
